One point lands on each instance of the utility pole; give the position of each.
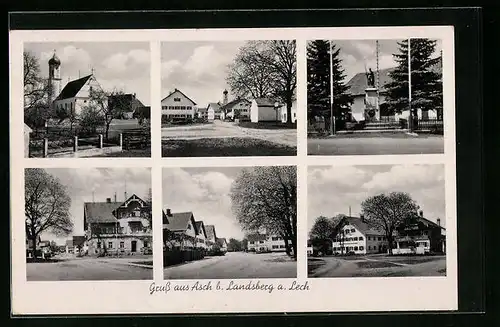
(410, 116)
(332, 118)
(377, 83)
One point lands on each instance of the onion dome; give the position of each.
(54, 60)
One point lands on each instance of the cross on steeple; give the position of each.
(92, 70)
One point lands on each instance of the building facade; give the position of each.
(118, 227)
(356, 236)
(420, 236)
(177, 106)
(260, 242)
(76, 95)
(242, 106)
(283, 112)
(265, 110)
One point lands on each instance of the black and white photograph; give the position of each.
(230, 222)
(376, 221)
(363, 99)
(88, 224)
(86, 99)
(229, 98)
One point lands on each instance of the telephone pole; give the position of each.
(410, 111)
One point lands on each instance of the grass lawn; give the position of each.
(220, 147)
(411, 260)
(267, 125)
(374, 264)
(148, 263)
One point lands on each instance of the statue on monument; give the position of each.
(370, 77)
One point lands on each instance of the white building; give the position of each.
(266, 243)
(213, 111)
(76, 95)
(201, 237)
(238, 105)
(177, 106)
(283, 112)
(265, 110)
(356, 236)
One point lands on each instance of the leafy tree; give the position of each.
(90, 119)
(265, 69)
(98, 102)
(54, 248)
(234, 245)
(265, 198)
(318, 81)
(323, 229)
(46, 205)
(386, 212)
(426, 84)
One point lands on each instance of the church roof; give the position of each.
(72, 88)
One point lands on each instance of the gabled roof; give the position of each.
(129, 101)
(221, 241)
(428, 223)
(265, 102)
(200, 227)
(256, 237)
(100, 212)
(72, 88)
(178, 222)
(358, 83)
(202, 109)
(228, 106)
(214, 106)
(176, 90)
(360, 225)
(210, 229)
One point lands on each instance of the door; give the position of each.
(134, 246)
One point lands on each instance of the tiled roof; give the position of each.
(210, 229)
(265, 102)
(177, 90)
(221, 241)
(228, 106)
(100, 212)
(72, 88)
(177, 221)
(215, 106)
(256, 237)
(129, 101)
(360, 225)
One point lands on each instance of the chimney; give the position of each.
(108, 200)
(439, 222)
(421, 213)
(169, 213)
(134, 95)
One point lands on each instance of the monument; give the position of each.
(372, 109)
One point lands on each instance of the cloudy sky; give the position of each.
(123, 66)
(198, 69)
(205, 192)
(104, 182)
(331, 190)
(355, 54)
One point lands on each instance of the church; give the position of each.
(75, 95)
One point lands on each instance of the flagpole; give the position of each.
(332, 119)
(410, 116)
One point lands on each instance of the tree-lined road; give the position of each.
(236, 265)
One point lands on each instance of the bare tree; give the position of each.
(35, 87)
(99, 102)
(387, 211)
(266, 198)
(249, 75)
(46, 205)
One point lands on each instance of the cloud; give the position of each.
(206, 194)
(120, 62)
(333, 190)
(70, 55)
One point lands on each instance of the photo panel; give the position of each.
(86, 99)
(362, 100)
(87, 224)
(229, 98)
(230, 222)
(376, 221)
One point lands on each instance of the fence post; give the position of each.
(75, 143)
(45, 147)
(100, 141)
(121, 141)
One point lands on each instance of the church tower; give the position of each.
(54, 85)
(224, 99)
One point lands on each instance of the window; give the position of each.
(355, 248)
(261, 242)
(352, 230)
(354, 238)
(360, 238)
(98, 245)
(361, 248)
(369, 238)
(110, 245)
(275, 247)
(380, 238)
(177, 99)
(369, 247)
(122, 245)
(252, 242)
(282, 246)
(294, 115)
(146, 244)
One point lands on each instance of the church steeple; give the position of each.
(54, 77)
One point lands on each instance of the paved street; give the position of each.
(376, 144)
(90, 269)
(377, 266)
(236, 265)
(221, 129)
